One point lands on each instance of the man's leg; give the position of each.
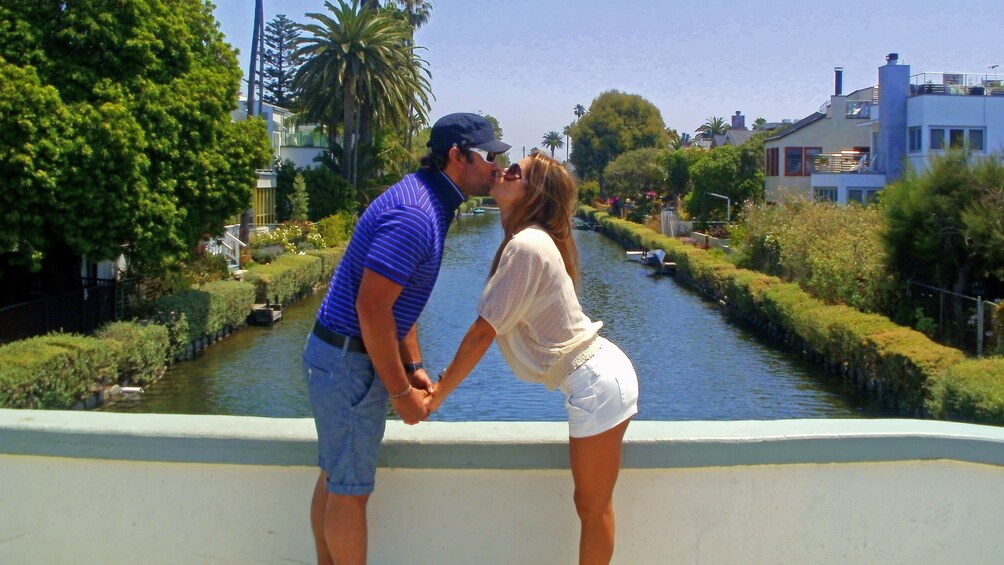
(339, 525)
(318, 507)
(345, 528)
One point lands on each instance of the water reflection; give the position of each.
(692, 364)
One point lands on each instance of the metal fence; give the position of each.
(964, 322)
(79, 311)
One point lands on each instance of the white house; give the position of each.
(908, 120)
(791, 153)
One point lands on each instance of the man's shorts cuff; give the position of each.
(350, 490)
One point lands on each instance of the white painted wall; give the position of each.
(103, 488)
(946, 111)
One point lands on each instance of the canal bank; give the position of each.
(692, 363)
(901, 368)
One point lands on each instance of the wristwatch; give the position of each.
(410, 368)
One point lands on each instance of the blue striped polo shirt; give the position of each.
(399, 236)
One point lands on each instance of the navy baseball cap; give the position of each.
(465, 131)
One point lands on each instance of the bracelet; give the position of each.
(412, 367)
(406, 392)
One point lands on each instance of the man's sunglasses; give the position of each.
(488, 156)
(513, 172)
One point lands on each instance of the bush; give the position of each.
(835, 252)
(329, 259)
(289, 237)
(207, 309)
(285, 278)
(971, 391)
(140, 350)
(337, 229)
(36, 373)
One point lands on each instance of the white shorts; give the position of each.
(601, 393)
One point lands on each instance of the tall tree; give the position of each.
(359, 58)
(281, 36)
(580, 111)
(115, 124)
(712, 127)
(616, 123)
(945, 225)
(418, 13)
(552, 140)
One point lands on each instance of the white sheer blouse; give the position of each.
(530, 301)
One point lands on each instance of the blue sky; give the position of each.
(528, 63)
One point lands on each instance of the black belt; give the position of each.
(338, 340)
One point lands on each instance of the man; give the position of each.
(364, 346)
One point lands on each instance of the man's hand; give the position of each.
(411, 407)
(420, 380)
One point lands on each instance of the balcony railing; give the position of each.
(858, 110)
(847, 162)
(957, 84)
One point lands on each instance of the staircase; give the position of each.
(228, 245)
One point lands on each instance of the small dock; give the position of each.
(265, 314)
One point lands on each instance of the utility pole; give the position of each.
(254, 78)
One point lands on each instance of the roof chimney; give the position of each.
(892, 58)
(838, 81)
(738, 121)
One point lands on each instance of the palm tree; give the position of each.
(552, 140)
(567, 131)
(711, 128)
(580, 111)
(418, 12)
(360, 58)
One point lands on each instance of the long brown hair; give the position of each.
(550, 203)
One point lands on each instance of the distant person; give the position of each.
(529, 308)
(364, 347)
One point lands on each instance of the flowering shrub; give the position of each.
(291, 236)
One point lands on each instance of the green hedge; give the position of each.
(329, 259)
(912, 371)
(285, 278)
(971, 391)
(52, 371)
(140, 349)
(206, 309)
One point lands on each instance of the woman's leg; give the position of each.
(596, 461)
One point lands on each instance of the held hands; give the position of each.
(412, 407)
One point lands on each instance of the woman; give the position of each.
(530, 309)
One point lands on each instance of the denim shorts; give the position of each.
(349, 403)
(600, 393)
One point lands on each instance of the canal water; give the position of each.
(692, 362)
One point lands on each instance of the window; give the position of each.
(825, 194)
(792, 161)
(770, 165)
(973, 139)
(810, 155)
(914, 135)
(798, 160)
(937, 138)
(976, 140)
(956, 138)
(863, 196)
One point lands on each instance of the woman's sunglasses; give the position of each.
(513, 172)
